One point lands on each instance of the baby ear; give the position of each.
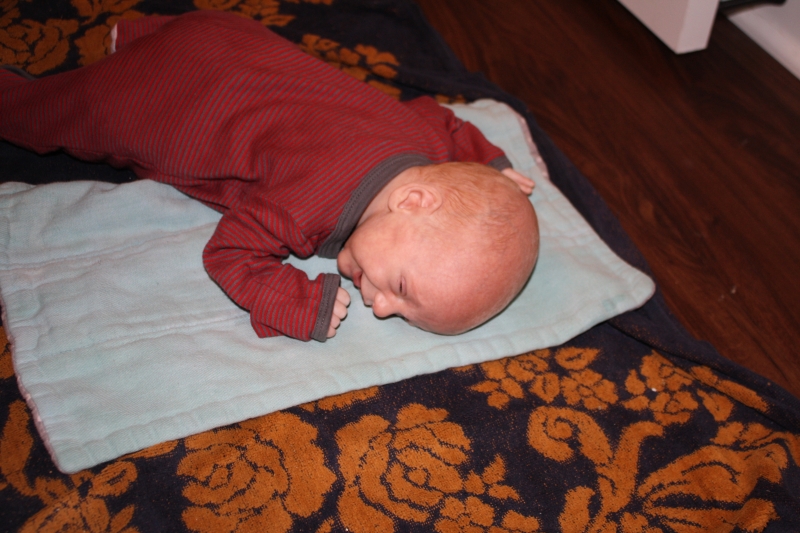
(416, 197)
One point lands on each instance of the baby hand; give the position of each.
(339, 311)
(525, 184)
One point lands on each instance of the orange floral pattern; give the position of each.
(40, 47)
(533, 373)
(79, 502)
(6, 363)
(89, 512)
(265, 11)
(672, 401)
(91, 10)
(720, 478)
(259, 475)
(33, 45)
(414, 468)
(342, 401)
(400, 470)
(364, 63)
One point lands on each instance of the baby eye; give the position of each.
(402, 287)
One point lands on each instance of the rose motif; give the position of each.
(523, 368)
(400, 470)
(74, 512)
(589, 388)
(35, 46)
(673, 407)
(511, 377)
(672, 402)
(661, 375)
(470, 515)
(252, 477)
(475, 516)
(506, 377)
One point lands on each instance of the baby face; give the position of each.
(398, 270)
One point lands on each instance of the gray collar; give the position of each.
(373, 182)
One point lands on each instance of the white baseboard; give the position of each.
(776, 29)
(683, 25)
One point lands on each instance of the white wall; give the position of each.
(683, 25)
(776, 29)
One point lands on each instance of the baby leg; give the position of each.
(126, 31)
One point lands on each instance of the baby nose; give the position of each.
(381, 307)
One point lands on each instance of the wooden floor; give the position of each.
(698, 155)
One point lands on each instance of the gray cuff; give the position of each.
(330, 285)
(500, 163)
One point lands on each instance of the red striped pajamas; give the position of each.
(289, 149)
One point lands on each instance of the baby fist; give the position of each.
(339, 310)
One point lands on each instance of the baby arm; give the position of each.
(245, 256)
(525, 184)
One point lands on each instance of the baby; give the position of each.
(420, 210)
(445, 246)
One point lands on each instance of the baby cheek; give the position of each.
(341, 261)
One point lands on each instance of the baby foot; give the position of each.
(113, 46)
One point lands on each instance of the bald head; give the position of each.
(487, 245)
(447, 247)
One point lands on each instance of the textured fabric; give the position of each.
(237, 117)
(632, 426)
(90, 309)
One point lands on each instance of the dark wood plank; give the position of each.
(696, 154)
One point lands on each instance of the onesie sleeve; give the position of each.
(468, 143)
(245, 256)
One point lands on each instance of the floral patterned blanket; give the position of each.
(632, 426)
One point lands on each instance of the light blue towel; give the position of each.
(121, 341)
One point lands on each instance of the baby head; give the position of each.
(445, 246)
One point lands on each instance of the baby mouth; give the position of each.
(357, 279)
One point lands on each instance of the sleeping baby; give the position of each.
(426, 217)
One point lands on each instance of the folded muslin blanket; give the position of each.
(121, 341)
